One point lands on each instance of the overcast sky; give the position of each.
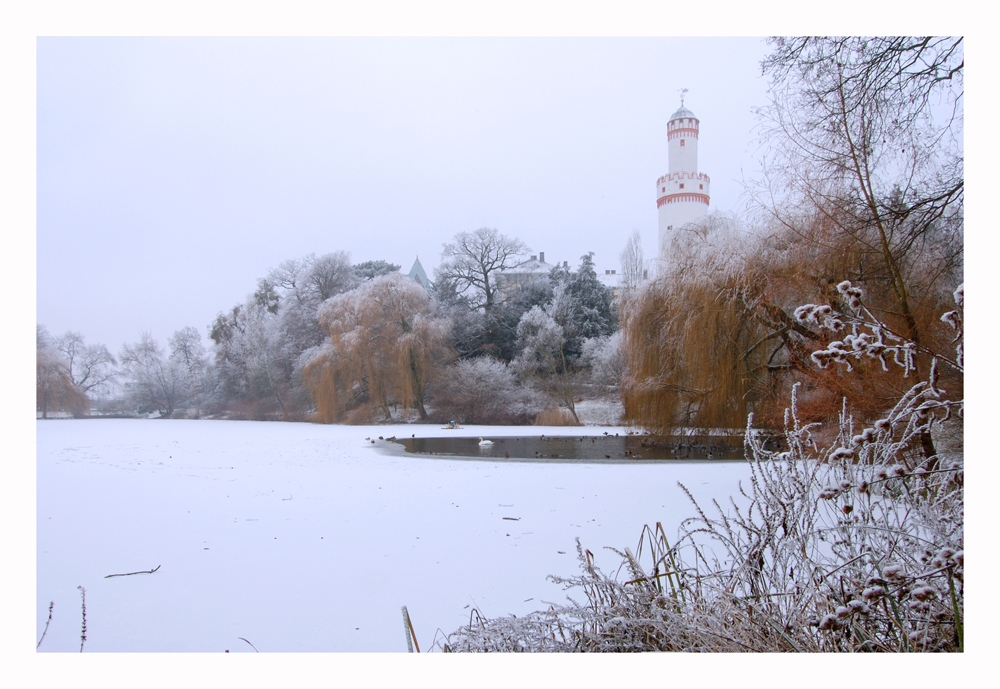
(172, 173)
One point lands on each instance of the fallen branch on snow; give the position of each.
(128, 574)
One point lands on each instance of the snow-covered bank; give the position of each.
(302, 537)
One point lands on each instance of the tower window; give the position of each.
(701, 186)
(682, 142)
(682, 185)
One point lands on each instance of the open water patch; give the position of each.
(587, 448)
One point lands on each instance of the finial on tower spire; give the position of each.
(683, 91)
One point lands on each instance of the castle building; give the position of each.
(682, 194)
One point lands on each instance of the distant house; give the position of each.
(518, 276)
(523, 273)
(612, 280)
(418, 273)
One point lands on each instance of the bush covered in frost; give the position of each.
(484, 391)
(856, 546)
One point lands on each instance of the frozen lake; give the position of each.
(301, 537)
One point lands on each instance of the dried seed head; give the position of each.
(840, 453)
(873, 593)
(857, 607)
(893, 572)
(843, 612)
(829, 623)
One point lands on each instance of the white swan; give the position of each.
(485, 442)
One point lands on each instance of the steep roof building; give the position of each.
(417, 273)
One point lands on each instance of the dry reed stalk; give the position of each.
(555, 416)
(46, 630)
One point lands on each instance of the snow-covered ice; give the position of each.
(301, 537)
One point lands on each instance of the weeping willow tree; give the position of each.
(690, 337)
(54, 386)
(715, 337)
(382, 346)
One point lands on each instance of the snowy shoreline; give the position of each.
(302, 537)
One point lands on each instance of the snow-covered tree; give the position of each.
(189, 354)
(473, 261)
(92, 368)
(260, 344)
(604, 357)
(153, 382)
(369, 270)
(588, 306)
(542, 356)
(252, 363)
(499, 326)
(632, 262)
(328, 275)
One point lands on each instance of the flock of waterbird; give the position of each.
(679, 450)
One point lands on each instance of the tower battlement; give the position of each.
(677, 176)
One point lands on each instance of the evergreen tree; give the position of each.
(589, 304)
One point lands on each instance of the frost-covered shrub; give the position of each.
(857, 546)
(485, 391)
(605, 359)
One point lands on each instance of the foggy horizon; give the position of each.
(175, 172)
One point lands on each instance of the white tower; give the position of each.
(682, 194)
